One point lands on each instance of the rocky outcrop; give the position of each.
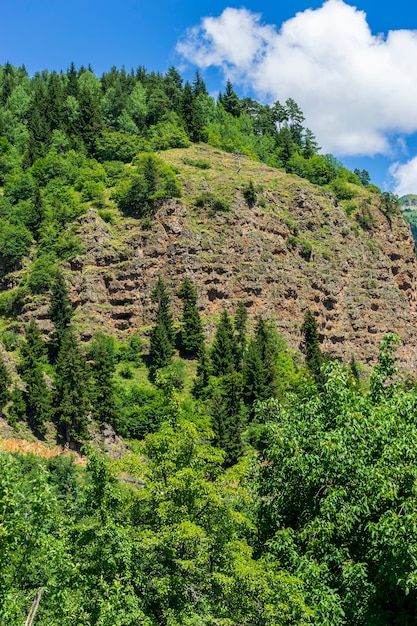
(296, 248)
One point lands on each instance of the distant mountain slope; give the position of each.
(291, 248)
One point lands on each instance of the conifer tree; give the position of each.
(224, 348)
(37, 395)
(192, 115)
(71, 382)
(201, 380)
(60, 311)
(259, 370)
(227, 410)
(192, 335)
(199, 86)
(103, 393)
(163, 315)
(161, 350)
(313, 354)
(254, 377)
(17, 409)
(230, 100)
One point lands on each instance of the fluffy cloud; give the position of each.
(357, 90)
(405, 177)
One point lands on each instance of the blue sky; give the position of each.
(350, 66)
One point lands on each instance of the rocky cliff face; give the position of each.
(294, 249)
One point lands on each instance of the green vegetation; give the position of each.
(262, 487)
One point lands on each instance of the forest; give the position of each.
(262, 486)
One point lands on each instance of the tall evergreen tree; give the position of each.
(60, 311)
(199, 86)
(227, 411)
(163, 315)
(103, 392)
(313, 354)
(192, 115)
(259, 370)
(37, 395)
(254, 377)
(161, 350)
(201, 380)
(72, 402)
(230, 100)
(192, 335)
(224, 347)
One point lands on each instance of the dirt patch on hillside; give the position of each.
(14, 444)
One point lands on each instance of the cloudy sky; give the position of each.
(350, 67)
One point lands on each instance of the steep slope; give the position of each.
(295, 247)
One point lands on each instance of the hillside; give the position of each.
(294, 248)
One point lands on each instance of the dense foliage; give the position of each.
(315, 525)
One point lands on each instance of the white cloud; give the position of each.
(356, 89)
(405, 177)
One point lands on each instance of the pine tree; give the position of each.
(227, 417)
(192, 335)
(313, 354)
(199, 86)
(103, 393)
(254, 377)
(37, 395)
(60, 311)
(17, 409)
(230, 100)
(163, 315)
(259, 369)
(224, 347)
(202, 378)
(192, 115)
(72, 402)
(161, 350)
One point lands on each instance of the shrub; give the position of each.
(341, 190)
(15, 242)
(152, 182)
(41, 274)
(10, 340)
(208, 199)
(107, 216)
(249, 193)
(200, 163)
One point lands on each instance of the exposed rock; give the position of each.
(298, 250)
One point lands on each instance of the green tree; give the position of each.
(161, 350)
(192, 115)
(103, 389)
(192, 335)
(380, 383)
(60, 311)
(313, 354)
(5, 381)
(37, 394)
(223, 353)
(72, 402)
(160, 297)
(202, 378)
(227, 416)
(230, 100)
